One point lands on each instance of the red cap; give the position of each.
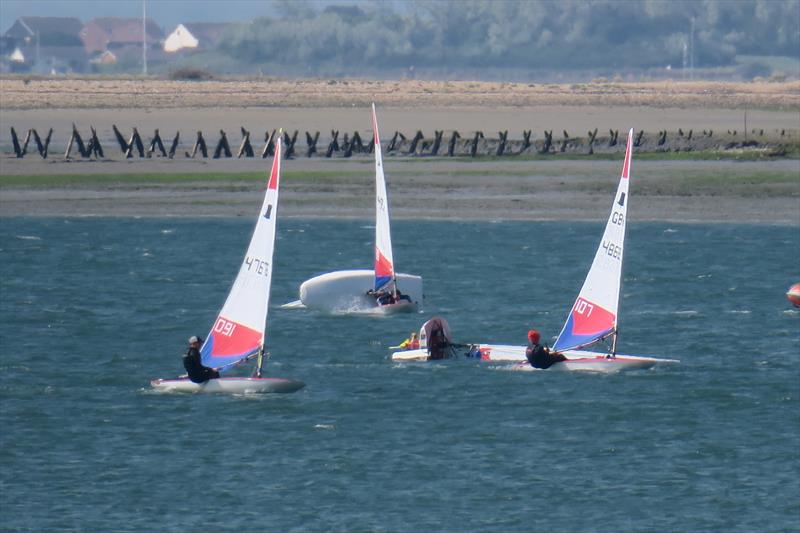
(533, 335)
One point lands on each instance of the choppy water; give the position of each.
(92, 309)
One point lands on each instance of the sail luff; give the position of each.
(594, 314)
(384, 262)
(238, 331)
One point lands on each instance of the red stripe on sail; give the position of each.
(383, 267)
(590, 319)
(231, 339)
(626, 166)
(276, 163)
(375, 126)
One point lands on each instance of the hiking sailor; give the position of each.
(540, 356)
(193, 364)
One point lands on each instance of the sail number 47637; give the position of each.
(612, 250)
(260, 266)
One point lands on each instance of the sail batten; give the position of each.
(238, 331)
(593, 317)
(384, 262)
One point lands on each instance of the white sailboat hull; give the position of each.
(586, 361)
(234, 385)
(346, 290)
(488, 352)
(577, 360)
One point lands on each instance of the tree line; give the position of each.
(453, 35)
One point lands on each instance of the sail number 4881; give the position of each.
(224, 327)
(612, 250)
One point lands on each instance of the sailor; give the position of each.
(382, 297)
(400, 297)
(540, 356)
(192, 362)
(411, 343)
(437, 345)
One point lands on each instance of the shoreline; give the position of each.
(754, 188)
(762, 192)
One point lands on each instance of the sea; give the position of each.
(92, 309)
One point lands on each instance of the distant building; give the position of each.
(50, 31)
(195, 36)
(121, 36)
(101, 33)
(45, 45)
(104, 58)
(17, 56)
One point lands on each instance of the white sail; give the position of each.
(238, 331)
(594, 314)
(384, 262)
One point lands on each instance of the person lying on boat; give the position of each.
(540, 356)
(192, 362)
(438, 345)
(400, 297)
(411, 343)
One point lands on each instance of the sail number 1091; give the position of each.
(612, 250)
(224, 327)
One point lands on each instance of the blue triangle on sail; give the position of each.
(621, 200)
(268, 213)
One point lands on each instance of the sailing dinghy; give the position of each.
(238, 332)
(352, 291)
(593, 317)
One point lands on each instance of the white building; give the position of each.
(195, 36)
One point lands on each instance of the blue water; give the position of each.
(92, 309)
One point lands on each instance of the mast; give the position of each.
(259, 362)
(614, 343)
(594, 316)
(144, 37)
(238, 333)
(384, 260)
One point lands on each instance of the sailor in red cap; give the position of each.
(540, 356)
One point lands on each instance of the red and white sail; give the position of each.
(594, 314)
(238, 331)
(384, 263)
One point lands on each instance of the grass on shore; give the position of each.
(167, 178)
(686, 178)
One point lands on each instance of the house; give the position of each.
(123, 36)
(195, 36)
(104, 58)
(17, 56)
(46, 44)
(47, 31)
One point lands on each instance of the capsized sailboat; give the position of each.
(428, 351)
(371, 291)
(238, 332)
